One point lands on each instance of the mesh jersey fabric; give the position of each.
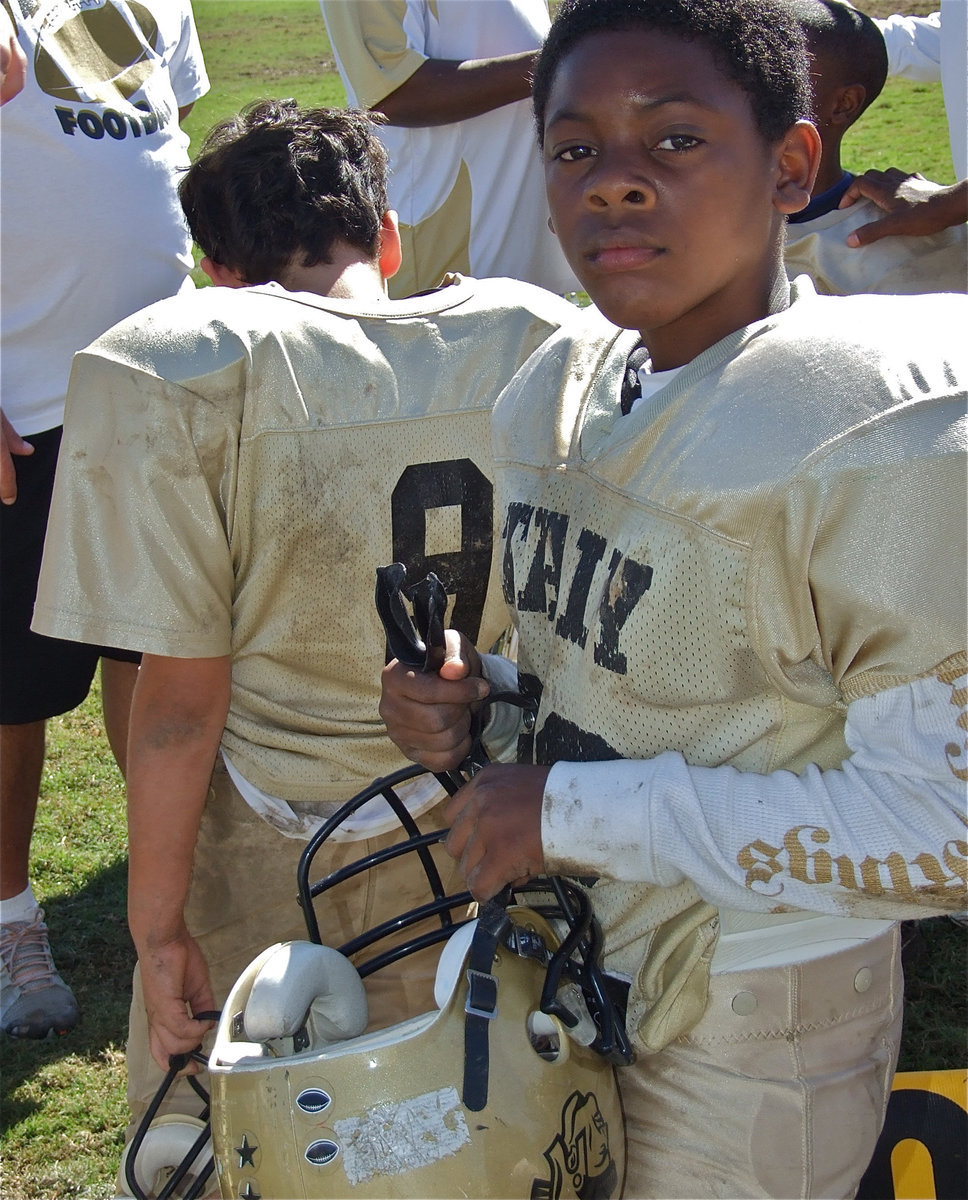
(236, 464)
(722, 571)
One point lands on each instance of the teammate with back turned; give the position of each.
(236, 464)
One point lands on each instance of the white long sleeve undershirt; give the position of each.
(883, 836)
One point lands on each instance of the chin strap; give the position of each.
(418, 643)
(423, 650)
(480, 1008)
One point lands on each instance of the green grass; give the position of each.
(905, 126)
(892, 133)
(258, 49)
(63, 1108)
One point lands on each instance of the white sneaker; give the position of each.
(34, 1001)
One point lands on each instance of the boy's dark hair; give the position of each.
(756, 43)
(279, 181)
(848, 38)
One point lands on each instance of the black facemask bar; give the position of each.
(418, 643)
(176, 1063)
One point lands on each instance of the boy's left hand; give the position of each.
(495, 830)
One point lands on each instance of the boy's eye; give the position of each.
(574, 153)
(678, 142)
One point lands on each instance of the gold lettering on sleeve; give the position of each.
(804, 858)
(957, 752)
(760, 861)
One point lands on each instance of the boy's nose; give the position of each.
(618, 183)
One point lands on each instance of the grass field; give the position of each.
(63, 1108)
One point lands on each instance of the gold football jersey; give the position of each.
(237, 463)
(897, 266)
(772, 535)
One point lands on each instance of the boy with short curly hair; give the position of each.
(733, 529)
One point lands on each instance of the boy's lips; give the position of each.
(622, 252)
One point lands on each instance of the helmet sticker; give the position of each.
(313, 1100)
(322, 1152)
(391, 1139)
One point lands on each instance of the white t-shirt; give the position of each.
(470, 195)
(918, 50)
(91, 152)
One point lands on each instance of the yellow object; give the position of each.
(922, 1153)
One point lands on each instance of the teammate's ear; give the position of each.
(797, 160)
(221, 275)
(391, 252)
(847, 105)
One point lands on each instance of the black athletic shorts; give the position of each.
(40, 677)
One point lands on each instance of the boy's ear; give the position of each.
(798, 157)
(391, 252)
(221, 275)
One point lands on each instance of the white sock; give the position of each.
(19, 908)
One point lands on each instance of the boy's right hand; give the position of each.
(174, 979)
(428, 715)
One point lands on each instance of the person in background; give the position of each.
(453, 79)
(922, 49)
(929, 49)
(848, 67)
(92, 230)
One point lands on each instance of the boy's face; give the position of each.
(665, 197)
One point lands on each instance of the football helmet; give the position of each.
(504, 1087)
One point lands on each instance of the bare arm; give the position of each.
(442, 91)
(177, 717)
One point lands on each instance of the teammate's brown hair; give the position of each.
(279, 184)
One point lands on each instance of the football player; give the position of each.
(733, 526)
(236, 464)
